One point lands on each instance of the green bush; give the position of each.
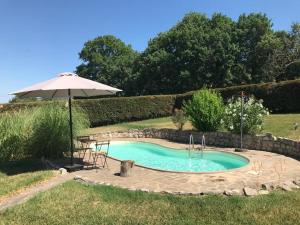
(253, 115)
(179, 118)
(205, 110)
(40, 131)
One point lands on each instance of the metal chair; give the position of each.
(83, 148)
(101, 152)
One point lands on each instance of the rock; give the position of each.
(250, 191)
(285, 187)
(62, 171)
(132, 189)
(263, 192)
(253, 172)
(232, 192)
(145, 190)
(77, 177)
(268, 186)
(291, 184)
(297, 182)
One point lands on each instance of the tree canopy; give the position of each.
(107, 60)
(197, 52)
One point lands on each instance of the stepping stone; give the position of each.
(250, 191)
(233, 192)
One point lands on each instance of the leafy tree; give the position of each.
(250, 31)
(174, 61)
(283, 54)
(197, 52)
(270, 50)
(108, 60)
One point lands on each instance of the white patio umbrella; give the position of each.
(67, 85)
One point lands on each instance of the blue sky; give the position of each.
(40, 38)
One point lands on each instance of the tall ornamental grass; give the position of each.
(37, 132)
(51, 130)
(15, 130)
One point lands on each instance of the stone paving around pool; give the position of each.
(265, 172)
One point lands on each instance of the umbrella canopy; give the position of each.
(58, 88)
(67, 85)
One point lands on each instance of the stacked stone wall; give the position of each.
(266, 142)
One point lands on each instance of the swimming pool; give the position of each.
(159, 157)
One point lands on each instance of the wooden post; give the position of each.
(126, 167)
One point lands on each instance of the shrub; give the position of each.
(179, 118)
(253, 115)
(40, 131)
(205, 110)
(51, 131)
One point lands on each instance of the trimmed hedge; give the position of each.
(115, 110)
(279, 97)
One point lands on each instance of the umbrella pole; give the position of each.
(71, 126)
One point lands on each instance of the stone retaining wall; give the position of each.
(266, 142)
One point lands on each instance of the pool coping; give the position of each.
(265, 172)
(186, 172)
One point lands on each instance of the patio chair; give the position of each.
(101, 152)
(84, 149)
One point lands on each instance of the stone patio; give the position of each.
(265, 169)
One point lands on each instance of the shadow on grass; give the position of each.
(21, 166)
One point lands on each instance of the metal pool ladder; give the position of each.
(191, 144)
(203, 145)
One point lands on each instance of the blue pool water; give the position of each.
(163, 158)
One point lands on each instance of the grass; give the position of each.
(76, 203)
(277, 124)
(164, 122)
(17, 175)
(283, 125)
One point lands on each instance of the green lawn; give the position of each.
(164, 122)
(76, 203)
(277, 124)
(282, 125)
(20, 174)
